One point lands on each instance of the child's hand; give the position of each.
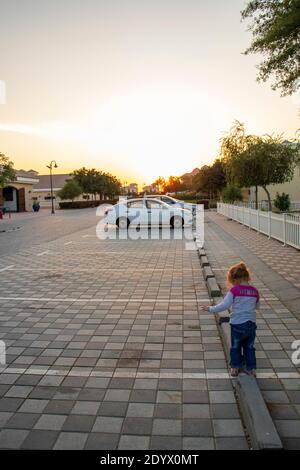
(205, 308)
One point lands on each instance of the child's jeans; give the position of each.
(242, 345)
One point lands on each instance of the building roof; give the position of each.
(58, 182)
(26, 177)
(26, 174)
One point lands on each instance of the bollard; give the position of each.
(1, 214)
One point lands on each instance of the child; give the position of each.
(244, 300)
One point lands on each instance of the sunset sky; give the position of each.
(140, 88)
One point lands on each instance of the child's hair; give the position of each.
(238, 272)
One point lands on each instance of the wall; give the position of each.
(292, 188)
(40, 195)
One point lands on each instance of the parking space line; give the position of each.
(48, 299)
(7, 268)
(137, 374)
(43, 253)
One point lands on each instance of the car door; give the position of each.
(137, 212)
(158, 213)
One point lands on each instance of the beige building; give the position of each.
(132, 188)
(42, 190)
(17, 195)
(292, 188)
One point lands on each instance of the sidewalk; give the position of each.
(20, 216)
(276, 273)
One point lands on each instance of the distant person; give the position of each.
(244, 300)
(36, 206)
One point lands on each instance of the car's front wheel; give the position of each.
(123, 223)
(176, 222)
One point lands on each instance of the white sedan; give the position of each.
(174, 202)
(146, 212)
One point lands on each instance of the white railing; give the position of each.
(282, 227)
(264, 205)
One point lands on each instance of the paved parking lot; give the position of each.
(107, 349)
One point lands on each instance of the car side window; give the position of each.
(154, 205)
(135, 205)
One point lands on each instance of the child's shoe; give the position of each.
(251, 372)
(234, 372)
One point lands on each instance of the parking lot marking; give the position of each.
(43, 253)
(125, 374)
(58, 299)
(7, 268)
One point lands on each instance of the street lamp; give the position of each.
(50, 166)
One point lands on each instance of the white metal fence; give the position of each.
(282, 227)
(264, 205)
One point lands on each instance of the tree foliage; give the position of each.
(71, 190)
(97, 182)
(233, 144)
(174, 185)
(232, 194)
(282, 202)
(7, 172)
(211, 179)
(276, 35)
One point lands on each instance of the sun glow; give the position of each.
(148, 132)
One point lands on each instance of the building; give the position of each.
(17, 195)
(131, 189)
(151, 189)
(291, 188)
(42, 190)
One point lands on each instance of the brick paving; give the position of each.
(276, 274)
(107, 349)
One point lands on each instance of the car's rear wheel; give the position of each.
(177, 222)
(123, 223)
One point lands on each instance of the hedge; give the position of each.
(85, 204)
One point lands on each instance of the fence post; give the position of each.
(258, 220)
(284, 229)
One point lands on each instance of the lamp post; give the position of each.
(50, 166)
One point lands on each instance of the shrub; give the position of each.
(84, 204)
(282, 202)
(71, 190)
(232, 194)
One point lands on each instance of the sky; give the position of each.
(139, 88)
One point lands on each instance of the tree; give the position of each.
(112, 185)
(232, 194)
(70, 190)
(97, 182)
(160, 183)
(211, 179)
(7, 172)
(276, 34)
(233, 144)
(174, 185)
(239, 171)
(265, 162)
(87, 179)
